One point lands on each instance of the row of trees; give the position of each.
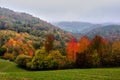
(85, 53)
(44, 58)
(97, 52)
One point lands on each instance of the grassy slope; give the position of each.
(9, 71)
(7, 66)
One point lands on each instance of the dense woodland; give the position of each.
(24, 23)
(85, 53)
(37, 45)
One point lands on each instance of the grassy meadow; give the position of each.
(10, 71)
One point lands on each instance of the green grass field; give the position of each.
(10, 71)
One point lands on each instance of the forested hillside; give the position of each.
(37, 45)
(25, 23)
(110, 32)
(77, 28)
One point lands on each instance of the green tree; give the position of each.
(2, 51)
(93, 59)
(61, 61)
(22, 60)
(38, 59)
(116, 53)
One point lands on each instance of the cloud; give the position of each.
(61, 10)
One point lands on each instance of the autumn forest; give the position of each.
(35, 44)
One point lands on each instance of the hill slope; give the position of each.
(25, 23)
(7, 66)
(110, 32)
(22, 22)
(76, 27)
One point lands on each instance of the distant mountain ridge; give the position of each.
(109, 31)
(74, 27)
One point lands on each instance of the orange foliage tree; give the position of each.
(16, 46)
(72, 49)
(84, 44)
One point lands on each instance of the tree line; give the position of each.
(84, 53)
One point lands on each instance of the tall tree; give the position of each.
(98, 42)
(84, 44)
(116, 53)
(49, 42)
(103, 48)
(72, 49)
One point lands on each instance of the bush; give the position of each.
(81, 60)
(44, 61)
(22, 60)
(2, 51)
(50, 63)
(37, 62)
(88, 59)
(9, 56)
(93, 59)
(55, 60)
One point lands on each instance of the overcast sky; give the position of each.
(68, 10)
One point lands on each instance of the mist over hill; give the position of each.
(110, 32)
(107, 30)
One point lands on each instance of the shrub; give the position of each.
(44, 61)
(88, 59)
(93, 59)
(37, 62)
(9, 56)
(50, 63)
(2, 51)
(81, 60)
(22, 60)
(61, 61)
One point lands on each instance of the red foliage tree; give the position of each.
(72, 49)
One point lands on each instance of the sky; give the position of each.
(96, 11)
